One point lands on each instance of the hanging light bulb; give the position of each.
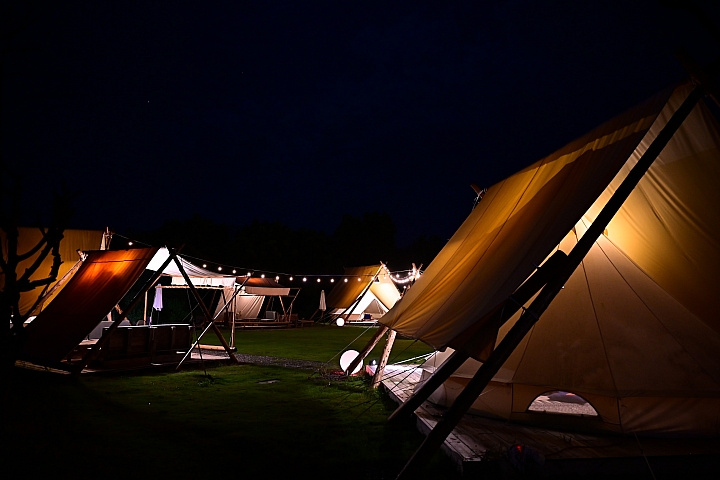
(304, 279)
(332, 280)
(359, 279)
(130, 244)
(204, 265)
(345, 280)
(277, 278)
(262, 276)
(318, 280)
(234, 271)
(219, 269)
(291, 279)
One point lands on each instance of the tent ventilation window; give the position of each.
(564, 403)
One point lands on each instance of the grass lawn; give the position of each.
(319, 343)
(185, 425)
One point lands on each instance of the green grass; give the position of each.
(319, 343)
(186, 425)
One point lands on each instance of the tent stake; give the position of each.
(503, 351)
(495, 319)
(377, 378)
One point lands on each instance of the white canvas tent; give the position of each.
(634, 330)
(369, 291)
(199, 277)
(248, 303)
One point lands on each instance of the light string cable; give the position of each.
(228, 269)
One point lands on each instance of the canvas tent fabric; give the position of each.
(632, 331)
(380, 297)
(102, 280)
(513, 229)
(248, 303)
(73, 240)
(199, 277)
(613, 336)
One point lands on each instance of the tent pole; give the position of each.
(144, 318)
(377, 378)
(503, 351)
(206, 312)
(366, 351)
(495, 319)
(92, 353)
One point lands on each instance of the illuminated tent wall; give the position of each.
(199, 277)
(632, 331)
(368, 290)
(248, 303)
(102, 280)
(73, 240)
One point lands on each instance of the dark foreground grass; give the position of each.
(319, 343)
(186, 425)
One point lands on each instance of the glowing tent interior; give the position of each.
(368, 294)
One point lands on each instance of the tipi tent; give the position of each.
(364, 292)
(633, 331)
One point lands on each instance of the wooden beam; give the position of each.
(530, 316)
(366, 351)
(377, 378)
(495, 319)
(212, 322)
(204, 309)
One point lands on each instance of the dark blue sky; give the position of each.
(303, 111)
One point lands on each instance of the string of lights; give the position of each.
(399, 277)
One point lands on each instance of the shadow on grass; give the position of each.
(186, 424)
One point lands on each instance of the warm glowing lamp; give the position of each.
(347, 358)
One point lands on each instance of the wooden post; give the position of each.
(212, 320)
(513, 338)
(204, 309)
(366, 351)
(232, 332)
(93, 352)
(377, 378)
(495, 319)
(145, 309)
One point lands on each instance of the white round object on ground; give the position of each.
(340, 322)
(347, 358)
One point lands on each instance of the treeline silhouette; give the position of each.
(276, 247)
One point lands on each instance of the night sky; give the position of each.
(301, 112)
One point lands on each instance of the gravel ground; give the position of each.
(263, 360)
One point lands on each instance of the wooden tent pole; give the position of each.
(206, 312)
(366, 351)
(377, 378)
(495, 319)
(145, 309)
(93, 352)
(513, 338)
